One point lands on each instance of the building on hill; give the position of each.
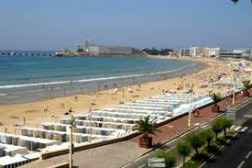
(115, 50)
(216, 52)
(185, 52)
(199, 52)
(213, 52)
(94, 50)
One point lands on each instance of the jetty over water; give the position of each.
(26, 53)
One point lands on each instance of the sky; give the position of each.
(55, 24)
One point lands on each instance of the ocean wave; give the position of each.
(44, 84)
(3, 94)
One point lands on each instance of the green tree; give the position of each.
(160, 153)
(216, 97)
(145, 126)
(222, 124)
(196, 141)
(246, 84)
(183, 150)
(80, 50)
(170, 158)
(72, 121)
(208, 135)
(217, 127)
(191, 164)
(226, 124)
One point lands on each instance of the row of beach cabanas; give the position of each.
(31, 143)
(109, 122)
(103, 124)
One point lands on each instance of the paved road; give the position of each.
(237, 155)
(142, 161)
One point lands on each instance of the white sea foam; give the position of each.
(3, 94)
(65, 82)
(90, 80)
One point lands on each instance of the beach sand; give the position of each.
(32, 114)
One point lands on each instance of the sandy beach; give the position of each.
(32, 114)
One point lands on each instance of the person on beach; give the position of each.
(196, 112)
(70, 110)
(24, 120)
(163, 91)
(46, 109)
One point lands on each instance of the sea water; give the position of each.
(32, 78)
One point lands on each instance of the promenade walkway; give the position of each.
(118, 154)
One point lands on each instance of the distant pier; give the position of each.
(26, 53)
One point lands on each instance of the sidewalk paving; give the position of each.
(118, 154)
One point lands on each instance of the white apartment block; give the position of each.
(204, 52)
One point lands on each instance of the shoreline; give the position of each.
(34, 113)
(58, 89)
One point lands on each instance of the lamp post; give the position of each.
(233, 96)
(190, 112)
(189, 119)
(70, 132)
(70, 129)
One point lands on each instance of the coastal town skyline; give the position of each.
(47, 25)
